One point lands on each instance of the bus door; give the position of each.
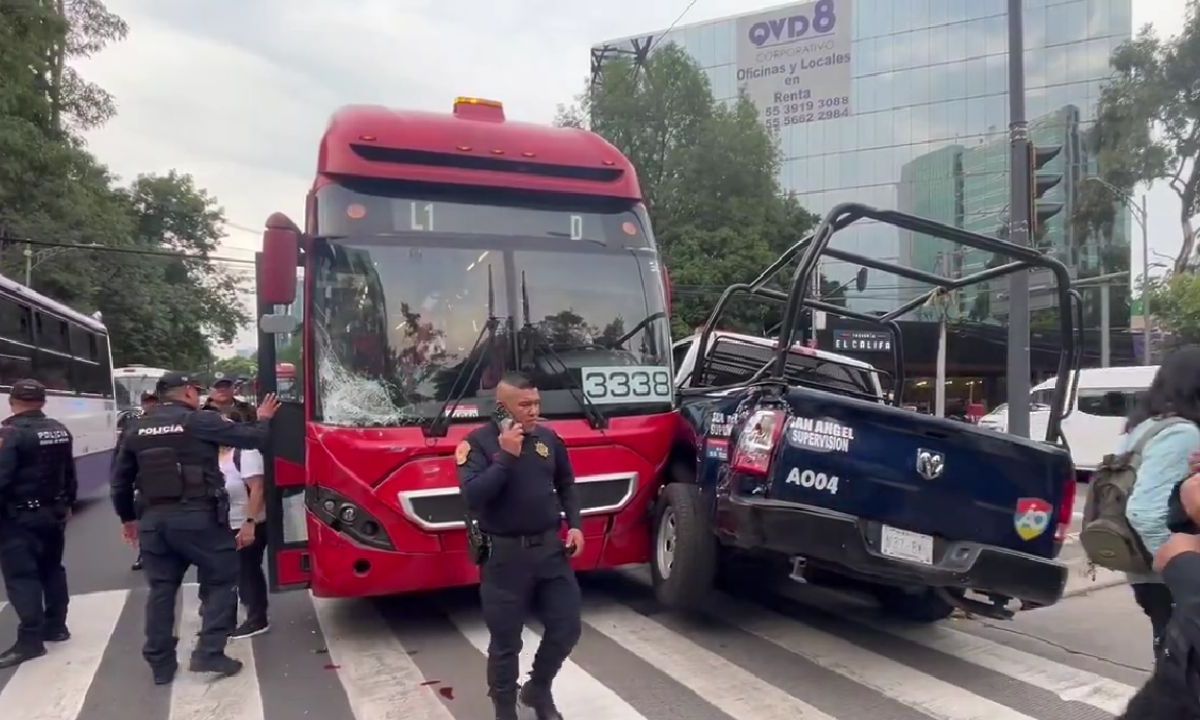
(289, 562)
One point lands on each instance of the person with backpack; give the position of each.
(1125, 517)
(243, 471)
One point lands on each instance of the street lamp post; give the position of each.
(1139, 214)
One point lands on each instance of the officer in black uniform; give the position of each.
(516, 477)
(37, 490)
(221, 399)
(170, 455)
(149, 400)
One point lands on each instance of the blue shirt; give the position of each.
(1165, 461)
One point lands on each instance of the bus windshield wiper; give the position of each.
(438, 426)
(595, 417)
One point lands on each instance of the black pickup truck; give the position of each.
(788, 456)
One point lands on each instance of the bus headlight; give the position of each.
(348, 518)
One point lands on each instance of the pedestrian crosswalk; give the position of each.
(423, 659)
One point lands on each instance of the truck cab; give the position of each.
(795, 456)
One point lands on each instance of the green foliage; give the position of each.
(236, 366)
(1148, 122)
(160, 311)
(708, 172)
(1175, 303)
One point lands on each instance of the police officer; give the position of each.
(149, 400)
(221, 399)
(510, 471)
(37, 490)
(170, 455)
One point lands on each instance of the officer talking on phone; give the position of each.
(516, 478)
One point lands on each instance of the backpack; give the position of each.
(1107, 537)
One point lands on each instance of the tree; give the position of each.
(708, 172)
(236, 366)
(1148, 120)
(1176, 303)
(160, 311)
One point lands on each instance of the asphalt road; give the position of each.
(804, 653)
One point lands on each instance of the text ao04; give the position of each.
(812, 479)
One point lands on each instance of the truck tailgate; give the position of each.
(920, 473)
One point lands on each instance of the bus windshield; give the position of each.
(405, 284)
(130, 388)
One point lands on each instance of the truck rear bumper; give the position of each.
(852, 544)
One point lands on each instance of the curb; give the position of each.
(1103, 582)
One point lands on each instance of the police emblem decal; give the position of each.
(462, 452)
(1032, 518)
(541, 449)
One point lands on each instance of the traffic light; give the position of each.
(1040, 183)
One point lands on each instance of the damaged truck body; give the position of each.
(791, 458)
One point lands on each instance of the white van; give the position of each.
(1096, 421)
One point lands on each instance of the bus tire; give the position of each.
(683, 564)
(923, 605)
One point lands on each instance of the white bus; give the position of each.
(69, 353)
(132, 381)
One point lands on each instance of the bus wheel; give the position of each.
(684, 562)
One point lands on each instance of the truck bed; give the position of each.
(977, 486)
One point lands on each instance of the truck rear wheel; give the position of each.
(919, 605)
(684, 562)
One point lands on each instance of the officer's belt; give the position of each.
(530, 540)
(33, 505)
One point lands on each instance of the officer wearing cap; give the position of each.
(221, 399)
(37, 490)
(516, 477)
(148, 401)
(170, 455)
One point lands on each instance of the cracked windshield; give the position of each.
(422, 303)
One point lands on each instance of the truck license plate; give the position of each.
(906, 545)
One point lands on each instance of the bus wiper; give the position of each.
(440, 423)
(642, 324)
(595, 417)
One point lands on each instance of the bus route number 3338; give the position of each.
(627, 384)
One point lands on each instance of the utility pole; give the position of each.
(1020, 166)
(1145, 286)
(1105, 328)
(943, 306)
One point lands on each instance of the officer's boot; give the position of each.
(536, 694)
(221, 664)
(505, 704)
(20, 653)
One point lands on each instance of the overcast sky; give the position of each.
(237, 93)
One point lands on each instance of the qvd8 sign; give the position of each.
(627, 384)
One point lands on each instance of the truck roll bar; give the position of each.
(846, 214)
(815, 245)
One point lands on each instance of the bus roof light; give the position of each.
(478, 109)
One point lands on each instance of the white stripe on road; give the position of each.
(1067, 682)
(3, 604)
(380, 679)
(576, 692)
(728, 687)
(54, 686)
(204, 696)
(917, 690)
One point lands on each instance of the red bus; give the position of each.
(440, 251)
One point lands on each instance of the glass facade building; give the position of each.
(928, 130)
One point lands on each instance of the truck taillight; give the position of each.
(757, 441)
(1066, 509)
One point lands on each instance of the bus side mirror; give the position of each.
(281, 251)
